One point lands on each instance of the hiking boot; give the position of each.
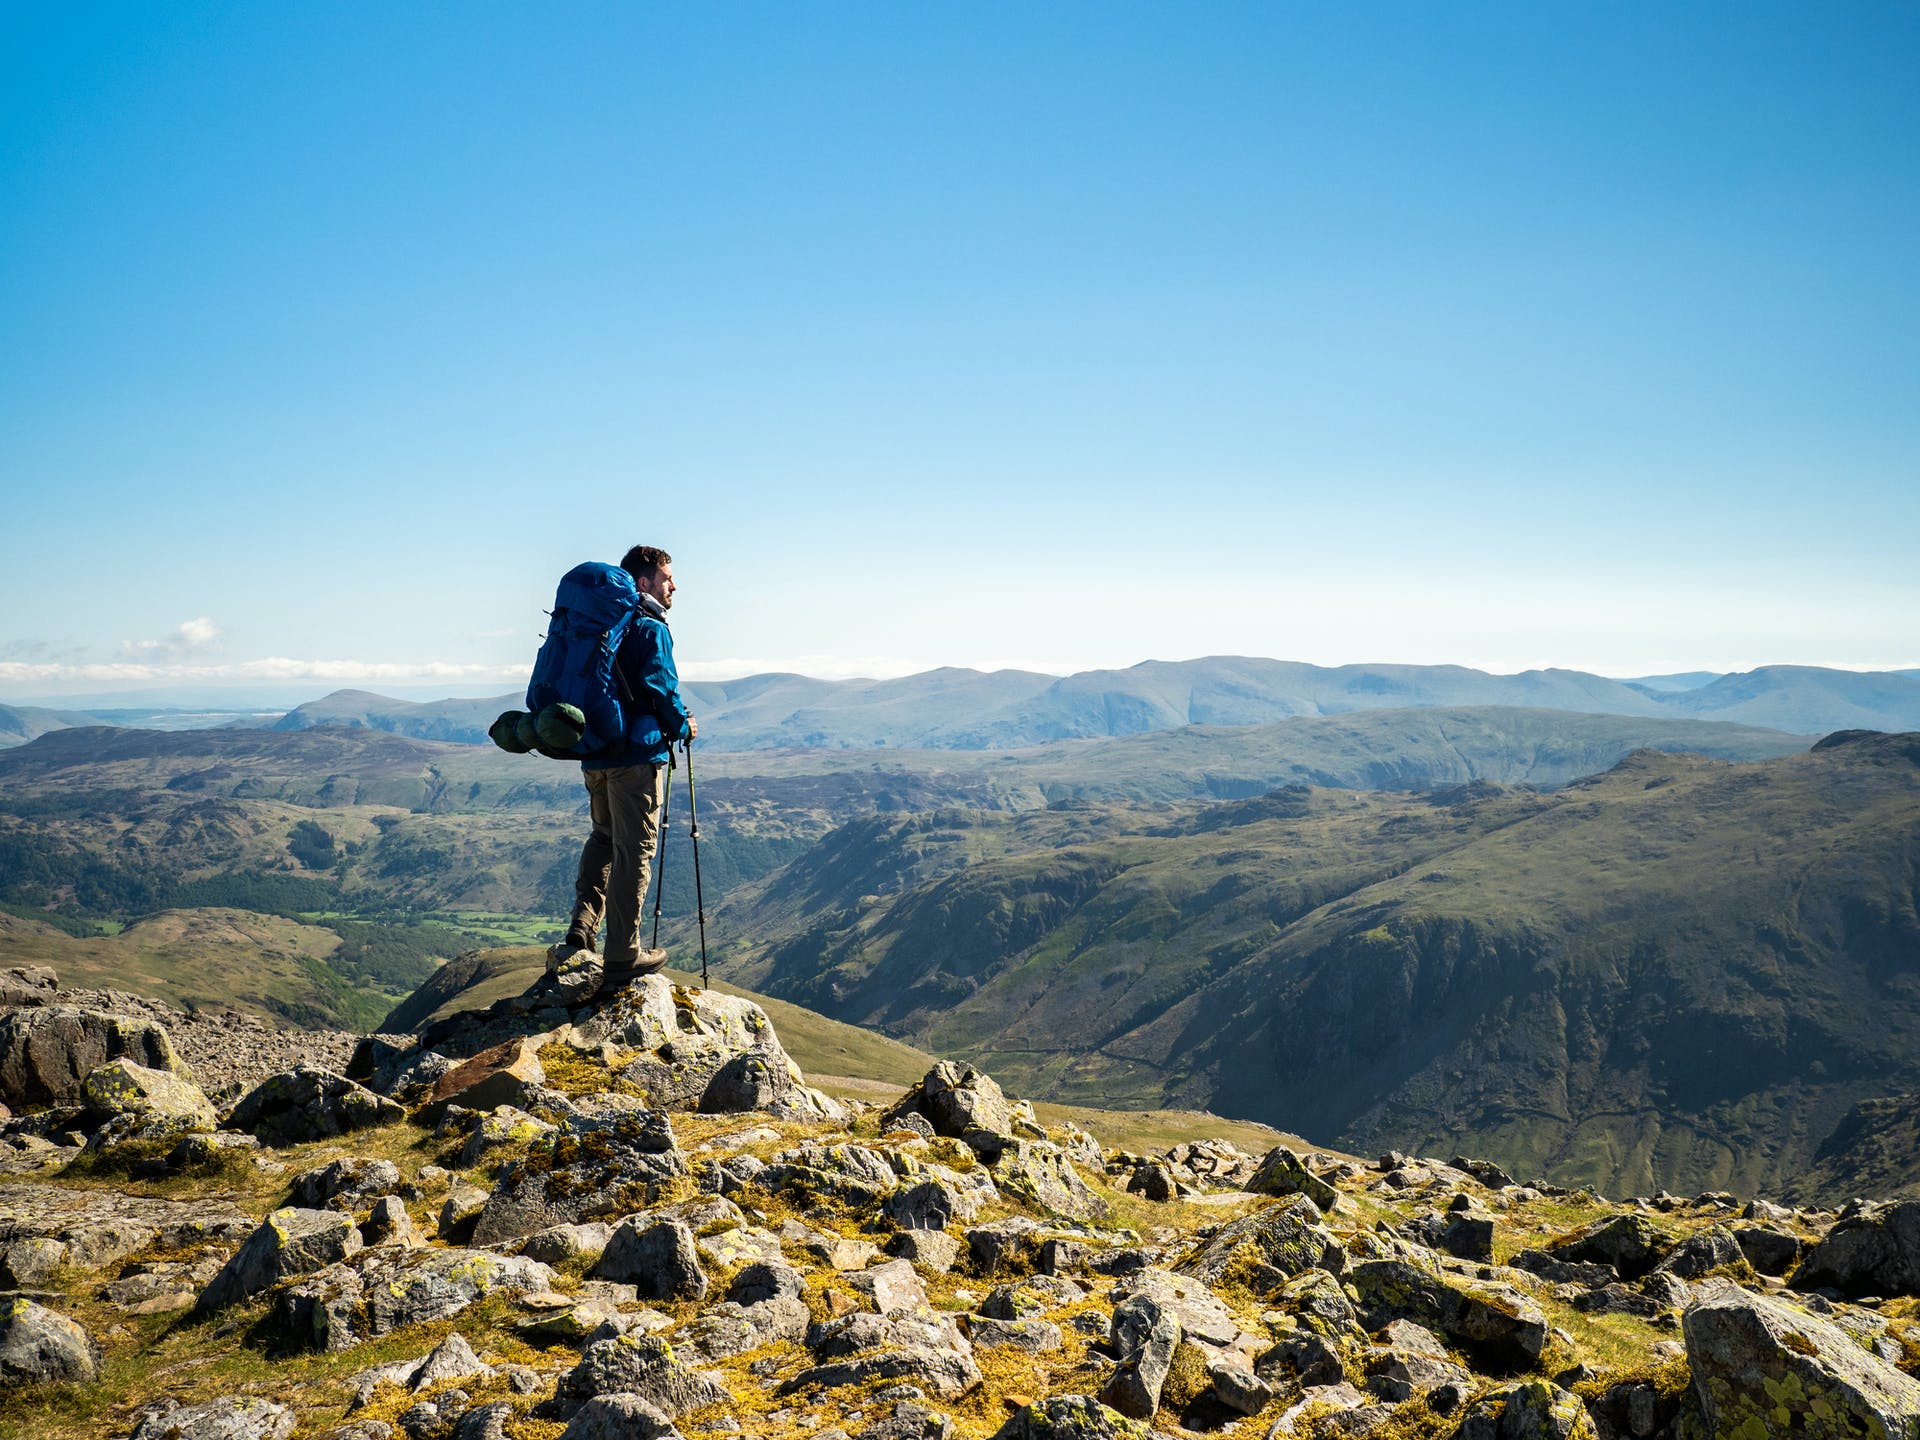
(617, 977)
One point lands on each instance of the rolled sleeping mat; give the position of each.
(525, 734)
(505, 732)
(560, 726)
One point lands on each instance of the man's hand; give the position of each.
(693, 727)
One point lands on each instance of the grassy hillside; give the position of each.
(1681, 972)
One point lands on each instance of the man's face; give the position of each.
(659, 585)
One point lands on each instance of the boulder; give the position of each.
(46, 1053)
(1070, 1417)
(289, 1242)
(1144, 1335)
(375, 1292)
(1493, 1321)
(657, 1257)
(121, 1087)
(639, 1365)
(1764, 1366)
(1281, 1172)
(38, 1344)
(1874, 1251)
(1531, 1410)
(1038, 1172)
(765, 1304)
(1262, 1251)
(699, 1049)
(1631, 1244)
(935, 1203)
(1713, 1248)
(963, 1103)
(24, 986)
(502, 1074)
(620, 1417)
(388, 1223)
(309, 1103)
(848, 1174)
(593, 1168)
(235, 1417)
(344, 1184)
(1768, 1250)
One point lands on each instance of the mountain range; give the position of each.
(976, 710)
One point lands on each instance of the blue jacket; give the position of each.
(656, 715)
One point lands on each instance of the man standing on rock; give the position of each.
(626, 791)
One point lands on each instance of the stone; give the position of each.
(1875, 1251)
(1070, 1417)
(699, 1049)
(309, 1103)
(47, 1052)
(1201, 1313)
(558, 1244)
(1397, 1375)
(656, 1257)
(1030, 1337)
(388, 1223)
(1262, 1251)
(1531, 1410)
(909, 1420)
(1631, 1244)
(122, 1087)
(765, 1304)
(95, 1228)
(593, 1168)
(502, 1074)
(892, 1288)
(1144, 1335)
(344, 1184)
(1281, 1172)
(235, 1417)
(451, 1359)
(1236, 1387)
(852, 1175)
(1038, 1172)
(934, 1204)
(375, 1292)
(620, 1417)
(38, 1345)
(963, 1103)
(502, 1128)
(23, 986)
(1030, 1298)
(1488, 1318)
(934, 1251)
(289, 1242)
(484, 1422)
(1767, 1250)
(460, 1211)
(1764, 1366)
(1317, 1410)
(639, 1365)
(1710, 1249)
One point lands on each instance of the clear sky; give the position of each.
(1055, 335)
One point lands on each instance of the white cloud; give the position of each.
(189, 637)
(13, 672)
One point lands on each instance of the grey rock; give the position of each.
(236, 1417)
(909, 1420)
(1031, 1298)
(1200, 1312)
(1281, 1172)
(388, 1223)
(38, 1344)
(1267, 1248)
(928, 1250)
(24, 986)
(1710, 1249)
(484, 1422)
(308, 1103)
(1144, 1335)
(124, 1087)
(656, 1257)
(1236, 1387)
(850, 1174)
(892, 1288)
(590, 1169)
(376, 1292)
(620, 1417)
(1631, 1244)
(502, 1129)
(641, 1365)
(558, 1244)
(1038, 1172)
(1070, 1417)
(289, 1242)
(1754, 1356)
(765, 1304)
(944, 1372)
(933, 1204)
(1875, 1251)
(1768, 1250)
(46, 1053)
(1530, 1410)
(963, 1103)
(1490, 1319)
(1396, 1375)
(1031, 1337)
(344, 1184)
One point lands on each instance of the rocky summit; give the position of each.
(550, 1219)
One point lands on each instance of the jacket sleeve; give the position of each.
(656, 682)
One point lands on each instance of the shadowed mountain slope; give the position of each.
(1681, 971)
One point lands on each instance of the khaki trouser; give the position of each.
(625, 804)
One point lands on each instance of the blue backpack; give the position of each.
(592, 612)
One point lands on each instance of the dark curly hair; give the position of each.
(644, 560)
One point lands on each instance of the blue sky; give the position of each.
(985, 334)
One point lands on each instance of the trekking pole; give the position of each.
(660, 855)
(699, 900)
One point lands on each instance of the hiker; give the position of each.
(626, 789)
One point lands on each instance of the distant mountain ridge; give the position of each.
(957, 709)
